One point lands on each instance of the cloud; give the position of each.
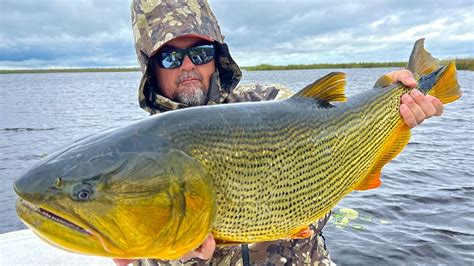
(342, 31)
(66, 34)
(95, 33)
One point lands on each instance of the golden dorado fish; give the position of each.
(245, 172)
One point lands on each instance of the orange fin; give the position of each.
(390, 150)
(370, 182)
(447, 88)
(439, 81)
(303, 232)
(329, 88)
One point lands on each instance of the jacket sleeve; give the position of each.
(256, 92)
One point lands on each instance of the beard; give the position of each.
(191, 94)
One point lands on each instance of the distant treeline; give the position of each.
(461, 64)
(464, 63)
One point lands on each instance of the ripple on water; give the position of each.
(23, 129)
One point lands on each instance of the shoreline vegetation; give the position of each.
(461, 64)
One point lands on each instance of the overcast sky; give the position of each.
(97, 33)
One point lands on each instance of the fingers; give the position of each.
(416, 107)
(205, 251)
(123, 262)
(408, 108)
(424, 103)
(437, 104)
(207, 248)
(404, 76)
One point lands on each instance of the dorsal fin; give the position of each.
(329, 88)
(383, 82)
(421, 62)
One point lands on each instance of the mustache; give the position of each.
(186, 75)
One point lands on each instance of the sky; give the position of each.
(97, 33)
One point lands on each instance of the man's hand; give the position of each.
(204, 252)
(123, 262)
(415, 106)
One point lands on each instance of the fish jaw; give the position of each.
(68, 233)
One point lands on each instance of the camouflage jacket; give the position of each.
(308, 251)
(156, 22)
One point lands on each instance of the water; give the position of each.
(423, 212)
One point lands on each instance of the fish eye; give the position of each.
(82, 192)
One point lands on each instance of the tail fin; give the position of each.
(436, 80)
(446, 88)
(421, 62)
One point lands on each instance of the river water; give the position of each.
(422, 213)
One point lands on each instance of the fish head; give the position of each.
(118, 204)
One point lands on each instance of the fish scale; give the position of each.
(240, 177)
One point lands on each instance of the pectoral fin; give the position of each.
(302, 232)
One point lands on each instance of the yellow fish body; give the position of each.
(246, 172)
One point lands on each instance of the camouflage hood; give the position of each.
(156, 22)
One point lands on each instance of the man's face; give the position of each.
(188, 83)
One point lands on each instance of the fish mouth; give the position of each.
(90, 240)
(54, 217)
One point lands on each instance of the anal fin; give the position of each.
(392, 147)
(370, 182)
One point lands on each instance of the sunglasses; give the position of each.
(170, 58)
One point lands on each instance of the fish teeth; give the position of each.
(54, 217)
(30, 205)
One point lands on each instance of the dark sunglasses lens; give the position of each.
(202, 54)
(170, 59)
(199, 55)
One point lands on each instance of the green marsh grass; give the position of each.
(461, 64)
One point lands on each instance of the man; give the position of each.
(185, 62)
